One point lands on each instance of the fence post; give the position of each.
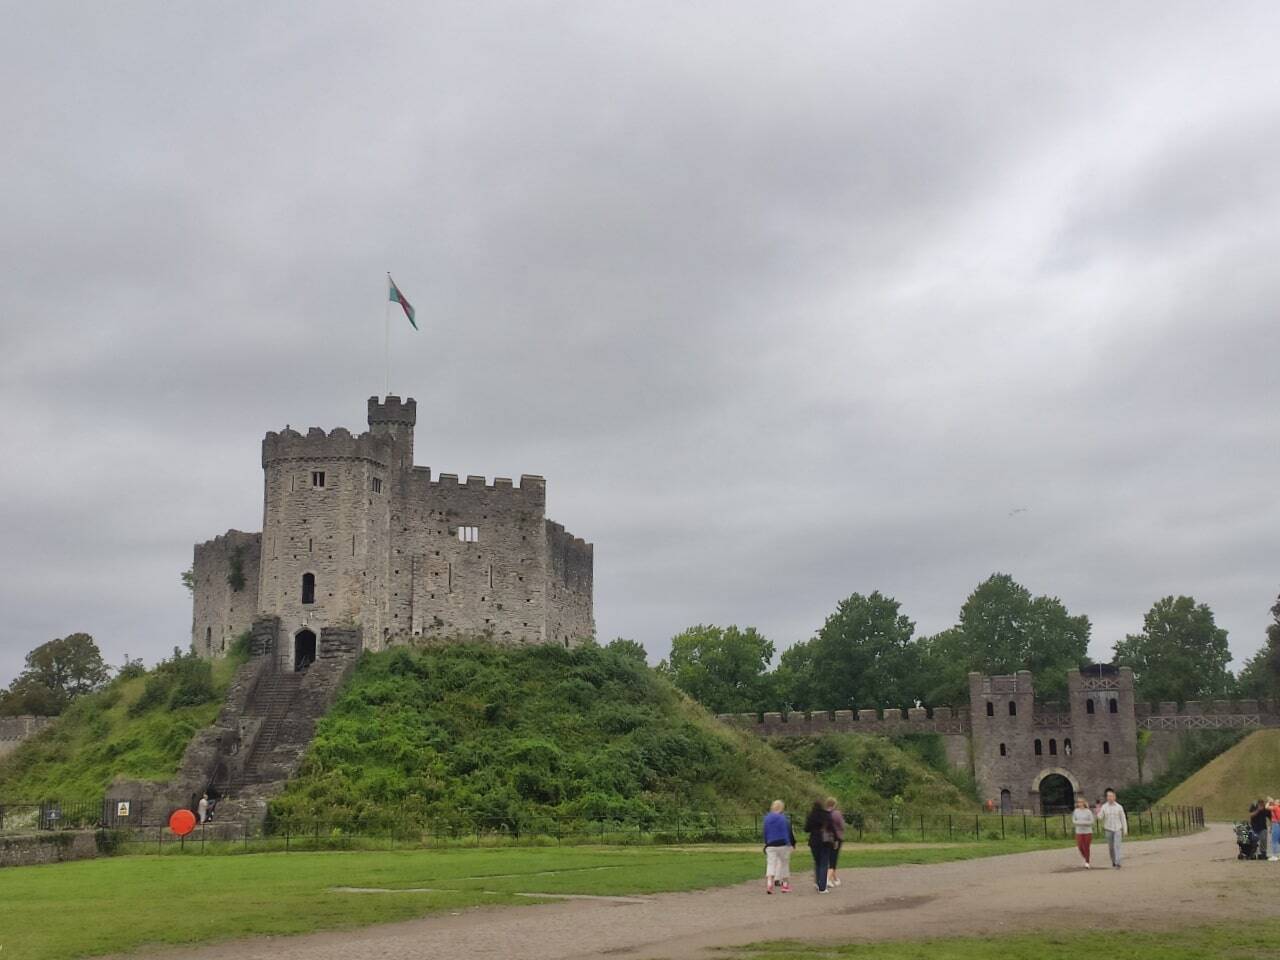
(1045, 823)
(1024, 826)
(922, 828)
(950, 827)
(1002, 825)
(975, 826)
(893, 825)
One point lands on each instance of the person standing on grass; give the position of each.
(1115, 824)
(1084, 820)
(837, 831)
(818, 826)
(779, 841)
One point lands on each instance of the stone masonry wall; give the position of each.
(220, 613)
(14, 730)
(54, 847)
(571, 565)
(444, 583)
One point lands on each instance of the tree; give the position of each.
(863, 656)
(56, 673)
(1260, 678)
(1180, 655)
(629, 648)
(189, 579)
(1003, 629)
(724, 669)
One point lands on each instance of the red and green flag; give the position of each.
(396, 296)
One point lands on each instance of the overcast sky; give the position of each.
(786, 300)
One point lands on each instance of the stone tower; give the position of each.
(354, 535)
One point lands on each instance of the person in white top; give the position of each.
(1115, 824)
(1083, 819)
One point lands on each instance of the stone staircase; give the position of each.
(259, 738)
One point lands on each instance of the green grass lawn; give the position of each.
(1237, 941)
(1228, 784)
(68, 910)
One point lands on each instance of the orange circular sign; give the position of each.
(182, 822)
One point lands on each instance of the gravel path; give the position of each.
(1165, 883)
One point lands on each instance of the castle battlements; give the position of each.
(337, 444)
(528, 481)
(393, 410)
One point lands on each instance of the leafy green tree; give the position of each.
(1260, 677)
(1003, 629)
(724, 669)
(1181, 654)
(863, 656)
(629, 648)
(56, 673)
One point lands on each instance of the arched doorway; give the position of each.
(304, 650)
(1006, 801)
(1057, 795)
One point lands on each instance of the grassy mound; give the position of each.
(466, 733)
(1229, 783)
(871, 774)
(138, 726)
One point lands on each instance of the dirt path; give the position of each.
(1164, 883)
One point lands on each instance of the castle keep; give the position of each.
(354, 535)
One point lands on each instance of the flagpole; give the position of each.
(386, 328)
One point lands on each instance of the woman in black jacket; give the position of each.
(818, 825)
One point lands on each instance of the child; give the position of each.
(779, 841)
(1084, 820)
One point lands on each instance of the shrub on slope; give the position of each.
(1229, 783)
(138, 726)
(461, 733)
(870, 773)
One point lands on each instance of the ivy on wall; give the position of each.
(235, 569)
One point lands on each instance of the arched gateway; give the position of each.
(1056, 788)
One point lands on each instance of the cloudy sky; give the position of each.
(786, 300)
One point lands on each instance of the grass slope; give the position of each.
(869, 773)
(469, 732)
(130, 728)
(1229, 783)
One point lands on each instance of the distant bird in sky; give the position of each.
(1017, 510)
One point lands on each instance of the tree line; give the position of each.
(866, 655)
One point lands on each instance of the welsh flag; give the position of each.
(395, 296)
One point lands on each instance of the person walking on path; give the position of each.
(779, 841)
(837, 831)
(818, 825)
(1084, 820)
(1115, 824)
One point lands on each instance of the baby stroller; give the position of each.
(1247, 842)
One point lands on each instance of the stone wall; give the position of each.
(49, 847)
(14, 730)
(570, 589)
(220, 613)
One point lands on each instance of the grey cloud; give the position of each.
(784, 303)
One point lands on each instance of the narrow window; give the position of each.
(308, 588)
(1013, 709)
(353, 544)
(1039, 748)
(1088, 706)
(208, 639)
(491, 576)
(1053, 748)
(469, 534)
(991, 707)
(377, 484)
(1113, 705)
(451, 578)
(1106, 746)
(317, 478)
(1003, 750)
(310, 545)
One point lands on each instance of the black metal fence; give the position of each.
(21, 818)
(682, 828)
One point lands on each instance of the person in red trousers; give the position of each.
(1083, 819)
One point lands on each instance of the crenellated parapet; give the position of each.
(14, 730)
(393, 410)
(337, 444)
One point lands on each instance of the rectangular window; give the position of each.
(317, 478)
(377, 484)
(469, 534)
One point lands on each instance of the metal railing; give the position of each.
(689, 827)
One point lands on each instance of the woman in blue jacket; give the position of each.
(779, 841)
